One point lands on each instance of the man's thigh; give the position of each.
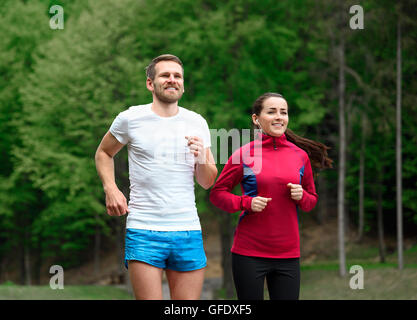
(146, 280)
(185, 285)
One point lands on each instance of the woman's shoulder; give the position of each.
(301, 152)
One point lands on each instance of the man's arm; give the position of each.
(206, 172)
(205, 167)
(116, 203)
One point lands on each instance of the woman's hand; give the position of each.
(259, 203)
(296, 191)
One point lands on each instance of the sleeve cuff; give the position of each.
(246, 203)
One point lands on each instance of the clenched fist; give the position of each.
(116, 203)
(196, 146)
(296, 191)
(259, 203)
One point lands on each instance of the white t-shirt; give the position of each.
(161, 167)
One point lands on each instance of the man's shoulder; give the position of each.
(191, 114)
(135, 111)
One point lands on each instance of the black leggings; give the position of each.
(282, 277)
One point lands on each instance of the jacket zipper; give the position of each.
(275, 146)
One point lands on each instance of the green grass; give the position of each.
(379, 284)
(320, 280)
(316, 284)
(366, 256)
(15, 292)
(384, 283)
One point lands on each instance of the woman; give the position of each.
(276, 178)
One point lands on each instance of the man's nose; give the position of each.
(171, 78)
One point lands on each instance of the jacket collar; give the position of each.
(271, 141)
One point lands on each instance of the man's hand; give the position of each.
(197, 148)
(116, 203)
(296, 191)
(259, 203)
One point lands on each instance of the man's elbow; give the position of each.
(97, 155)
(207, 184)
(210, 182)
(213, 177)
(101, 153)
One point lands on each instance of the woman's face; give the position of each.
(273, 119)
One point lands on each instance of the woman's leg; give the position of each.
(249, 280)
(284, 280)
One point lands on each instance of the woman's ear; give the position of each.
(255, 120)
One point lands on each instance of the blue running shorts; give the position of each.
(175, 250)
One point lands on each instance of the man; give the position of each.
(167, 146)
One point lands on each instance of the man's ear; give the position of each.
(149, 84)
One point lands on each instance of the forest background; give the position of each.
(60, 90)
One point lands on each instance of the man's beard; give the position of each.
(167, 98)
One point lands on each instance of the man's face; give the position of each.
(168, 84)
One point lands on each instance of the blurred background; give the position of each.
(60, 90)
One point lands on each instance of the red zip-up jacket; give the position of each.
(264, 167)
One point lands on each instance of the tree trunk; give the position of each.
(398, 153)
(342, 159)
(380, 219)
(120, 236)
(26, 259)
(347, 154)
(38, 262)
(322, 203)
(226, 237)
(361, 181)
(122, 178)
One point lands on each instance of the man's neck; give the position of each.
(163, 109)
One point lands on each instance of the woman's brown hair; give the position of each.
(316, 151)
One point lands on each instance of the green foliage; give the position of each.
(61, 89)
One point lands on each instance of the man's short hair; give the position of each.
(150, 69)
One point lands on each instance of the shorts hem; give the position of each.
(153, 264)
(163, 229)
(187, 269)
